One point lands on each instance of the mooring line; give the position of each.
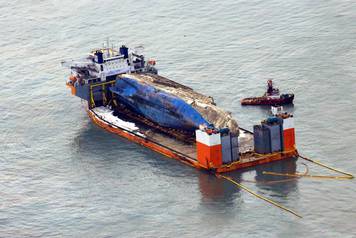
(277, 181)
(257, 195)
(298, 175)
(350, 176)
(307, 175)
(268, 182)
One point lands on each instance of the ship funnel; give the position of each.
(124, 51)
(99, 57)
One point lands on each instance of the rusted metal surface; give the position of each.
(169, 146)
(205, 105)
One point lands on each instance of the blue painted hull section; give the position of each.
(163, 108)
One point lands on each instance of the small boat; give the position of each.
(269, 100)
(271, 97)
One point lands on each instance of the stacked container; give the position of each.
(235, 148)
(288, 132)
(275, 134)
(216, 147)
(261, 138)
(209, 149)
(275, 128)
(230, 149)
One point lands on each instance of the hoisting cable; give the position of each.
(299, 175)
(257, 195)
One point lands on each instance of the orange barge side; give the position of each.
(143, 141)
(246, 159)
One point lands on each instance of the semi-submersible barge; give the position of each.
(126, 96)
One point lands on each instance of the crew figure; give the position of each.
(269, 87)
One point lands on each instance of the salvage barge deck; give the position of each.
(184, 152)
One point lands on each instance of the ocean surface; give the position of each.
(62, 176)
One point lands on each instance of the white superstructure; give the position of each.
(106, 62)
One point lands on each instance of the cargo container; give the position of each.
(275, 129)
(230, 149)
(262, 139)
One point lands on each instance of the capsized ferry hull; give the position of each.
(163, 108)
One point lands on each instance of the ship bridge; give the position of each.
(91, 76)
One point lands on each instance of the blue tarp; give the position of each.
(163, 108)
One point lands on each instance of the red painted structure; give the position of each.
(212, 154)
(269, 100)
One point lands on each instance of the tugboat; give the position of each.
(271, 97)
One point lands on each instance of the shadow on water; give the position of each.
(93, 144)
(92, 141)
(216, 194)
(214, 189)
(219, 193)
(280, 185)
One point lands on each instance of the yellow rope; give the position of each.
(350, 176)
(91, 97)
(257, 195)
(268, 182)
(104, 96)
(298, 175)
(276, 181)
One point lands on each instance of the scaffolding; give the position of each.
(103, 86)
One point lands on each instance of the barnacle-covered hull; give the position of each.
(202, 104)
(165, 109)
